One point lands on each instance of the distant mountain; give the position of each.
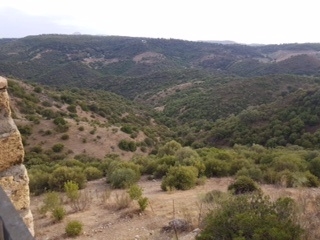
(195, 87)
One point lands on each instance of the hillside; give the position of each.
(191, 85)
(84, 122)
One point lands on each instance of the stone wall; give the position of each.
(13, 174)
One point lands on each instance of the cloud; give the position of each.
(17, 24)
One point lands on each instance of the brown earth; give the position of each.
(103, 221)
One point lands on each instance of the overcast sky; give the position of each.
(243, 21)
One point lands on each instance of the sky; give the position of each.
(242, 21)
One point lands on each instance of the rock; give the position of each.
(3, 83)
(13, 175)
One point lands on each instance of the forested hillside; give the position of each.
(200, 91)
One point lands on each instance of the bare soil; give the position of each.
(103, 221)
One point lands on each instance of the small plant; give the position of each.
(72, 190)
(105, 196)
(57, 147)
(81, 128)
(74, 228)
(58, 213)
(122, 201)
(143, 203)
(50, 202)
(135, 192)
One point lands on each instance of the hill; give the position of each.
(82, 122)
(191, 85)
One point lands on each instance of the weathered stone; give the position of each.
(15, 183)
(28, 220)
(11, 150)
(13, 175)
(3, 83)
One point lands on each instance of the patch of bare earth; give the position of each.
(103, 221)
(97, 139)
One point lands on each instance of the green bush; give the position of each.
(127, 145)
(243, 184)
(63, 174)
(50, 202)
(143, 203)
(216, 168)
(59, 213)
(135, 192)
(38, 181)
(92, 173)
(252, 217)
(123, 178)
(74, 228)
(72, 190)
(180, 177)
(59, 121)
(57, 147)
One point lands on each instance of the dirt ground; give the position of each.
(103, 221)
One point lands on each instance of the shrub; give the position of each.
(72, 190)
(127, 145)
(59, 121)
(123, 178)
(216, 168)
(143, 203)
(126, 129)
(38, 181)
(74, 228)
(63, 174)
(65, 136)
(180, 177)
(135, 192)
(243, 185)
(81, 128)
(50, 202)
(57, 147)
(93, 173)
(122, 200)
(59, 213)
(252, 217)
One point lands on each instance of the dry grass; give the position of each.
(104, 219)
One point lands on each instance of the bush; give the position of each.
(122, 200)
(59, 213)
(252, 217)
(243, 185)
(63, 174)
(57, 147)
(72, 190)
(143, 203)
(74, 228)
(135, 192)
(65, 137)
(216, 168)
(127, 145)
(38, 181)
(181, 177)
(123, 178)
(50, 202)
(93, 173)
